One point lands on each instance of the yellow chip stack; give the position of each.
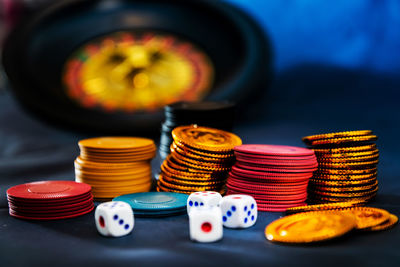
(115, 166)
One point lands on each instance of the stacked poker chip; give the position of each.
(218, 115)
(200, 160)
(347, 168)
(49, 200)
(115, 166)
(276, 176)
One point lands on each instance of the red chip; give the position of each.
(50, 209)
(275, 150)
(268, 182)
(272, 199)
(50, 202)
(48, 190)
(273, 187)
(254, 173)
(269, 193)
(240, 155)
(280, 163)
(48, 217)
(276, 169)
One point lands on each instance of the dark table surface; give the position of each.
(302, 101)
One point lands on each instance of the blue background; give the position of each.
(355, 34)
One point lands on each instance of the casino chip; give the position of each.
(200, 160)
(321, 207)
(115, 166)
(347, 167)
(155, 204)
(310, 227)
(276, 176)
(219, 115)
(49, 200)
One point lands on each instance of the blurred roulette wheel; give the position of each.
(112, 65)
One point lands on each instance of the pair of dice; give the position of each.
(209, 212)
(114, 218)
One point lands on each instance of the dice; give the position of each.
(203, 199)
(114, 218)
(205, 224)
(238, 211)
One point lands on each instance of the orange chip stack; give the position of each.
(115, 166)
(347, 167)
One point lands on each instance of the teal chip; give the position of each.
(155, 201)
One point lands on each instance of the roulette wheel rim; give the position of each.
(44, 97)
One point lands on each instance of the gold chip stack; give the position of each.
(347, 167)
(200, 160)
(115, 166)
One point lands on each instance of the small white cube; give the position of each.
(203, 199)
(114, 218)
(238, 211)
(205, 224)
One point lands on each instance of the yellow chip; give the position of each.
(133, 143)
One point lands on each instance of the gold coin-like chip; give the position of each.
(348, 159)
(345, 140)
(344, 150)
(363, 171)
(369, 217)
(309, 139)
(392, 221)
(310, 227)
(344, 189)
(318, 199)
(321, 207)
(346, 155)
(205, 138)
(353, 165)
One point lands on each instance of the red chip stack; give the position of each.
(49, 200)
(276, 176)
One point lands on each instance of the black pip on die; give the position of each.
(114, 218)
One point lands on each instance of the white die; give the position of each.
(203, 199)
(205, 224)
(238, 211)
(114, 218)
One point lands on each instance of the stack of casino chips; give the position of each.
(49, 200)
(115, 166)
(347, 168)
(200, 160)
(276, 176)
(219, 115)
